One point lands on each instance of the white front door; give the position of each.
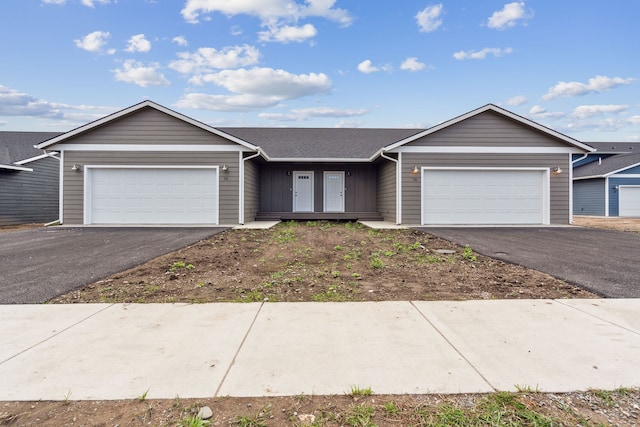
(629, 200)
(303, 191)
(334, 191)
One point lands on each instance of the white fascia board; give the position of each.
(147, 147)
(588, 177)
(622, 169)
(33, 159)
(16, 168)
(502, 111)
(488, 150)
(631, 175)
(137, 107)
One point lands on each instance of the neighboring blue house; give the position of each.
(607, 181)
(29, 179)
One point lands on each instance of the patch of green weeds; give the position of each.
(252, 296)
(335, 274)
(468, 254)
(143, 396)
(285, 236)
(376, 262)
(360, 416)
(428, 259)
(194, 421)
(256, 420)
(391, 409)
(527, 388)
(337, 247)
(180, 264)
(332, 294)
(356, 391)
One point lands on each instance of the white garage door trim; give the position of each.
(545, 185)
(215, 191)
(629, 205)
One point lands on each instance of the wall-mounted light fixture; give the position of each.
(288, 173)
(415, 170)
(348, 173)
(76, 167)
(225, 168)
(556, 170)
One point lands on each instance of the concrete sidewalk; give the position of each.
(121, 351)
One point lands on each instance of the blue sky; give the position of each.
(572, 65)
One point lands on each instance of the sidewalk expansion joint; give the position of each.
(235, 356)
(597, 317)
(57, 333)
(453, 346)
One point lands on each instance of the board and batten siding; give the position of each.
(387, 194)
(588, 197)
(150, 127)
(73, 194)
(30, 197)
(488, 129)
(276, 186)
(251, 191)
(412, 184)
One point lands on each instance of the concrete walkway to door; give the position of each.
(601, 261)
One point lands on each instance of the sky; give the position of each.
(571, 65)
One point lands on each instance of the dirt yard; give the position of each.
(611, 223)
(322, 261)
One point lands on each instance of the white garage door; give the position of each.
(629, 200)
(483, 197)
(152, 196)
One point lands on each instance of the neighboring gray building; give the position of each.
(607, 181)
(29, 179)
(148, 164)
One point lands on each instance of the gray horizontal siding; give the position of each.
(148, 126)
(251, 191)
(411, 184)
(488, 129)
(73, 203)
(30, 197)
(387, 190)
(588, 197)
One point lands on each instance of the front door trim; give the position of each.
(327, 199)
(300, 203)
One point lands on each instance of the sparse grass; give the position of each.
(356, 391)
(143, 396)
(257, 420)
(527, 388)
(332, 294)
(194, 421)
(467, 253)
(360, 416)
(376, 262)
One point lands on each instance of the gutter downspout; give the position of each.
(398, 187)
(53, 153)
(584, 156)
(244, 159)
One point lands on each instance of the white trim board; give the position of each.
(480, 150)
(148, 147)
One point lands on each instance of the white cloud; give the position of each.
(180, 41)
(517, 100)
(302, 114)
(634, 120)
(482, 54)
(208, 59)
(54, 1)
(93, 42)
(255, 88)
(268, 11)
(509, 16)
(429, 18)
(270, 82)
(412, 64)
(139, 74)
(586, 111)
(349, 124)
(539, 113)
(138, 43)
(288, 33)
(15, 103)
(595, 84)
(366, 67)
(91, 3)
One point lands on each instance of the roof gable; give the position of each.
(137, 108)
(17, 148)
(501, 112)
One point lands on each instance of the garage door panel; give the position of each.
(629, 203)
(483, 197)
(153, 196)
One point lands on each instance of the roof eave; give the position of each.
(16, 168)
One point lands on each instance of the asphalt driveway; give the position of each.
(39, 264)
(602, 261)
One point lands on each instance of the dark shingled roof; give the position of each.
(615, 147)
(608, 165)
(17, 146)
(320, 143)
